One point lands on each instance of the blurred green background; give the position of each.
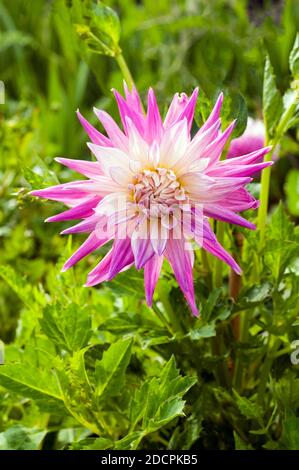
(170, 45)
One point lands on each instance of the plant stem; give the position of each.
(239, 370)
(125, 70)
(218, 262)
(266, 369)
(265, 181)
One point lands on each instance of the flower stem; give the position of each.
(125, 70)
(265, 181)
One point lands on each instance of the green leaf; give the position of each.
(205, 331)
(159, 400)
(292, 191)
(29, 381)
(272, 101)
(290, 431)
(294, 58)
(240, 444)
(100, 443)
(99, 27)
(69, 328)
(21, 438)
(130, 442)
(110, 371)
(249, 409)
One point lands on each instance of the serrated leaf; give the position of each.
(290, 432)
(294, 58)
(31, 382)
(159, 400)
(272, 100)
(248, 409)
(110, 371)
(69, 328)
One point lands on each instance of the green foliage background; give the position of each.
(95, 368)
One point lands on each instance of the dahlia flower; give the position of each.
(153, 188)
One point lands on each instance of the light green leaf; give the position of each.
(294, 58)
(292, 191)
(249, 409)
(69, 328)
(110, 371)
(21, 438)
(272, 101)
(39, 384)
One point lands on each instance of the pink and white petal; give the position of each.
(126, 111)
(116, 136)
(240, 200)
(181, 263)
(154, 124)
(238, 170)
(177, 106)
(143, 251)
(133, 98)
(152, 270)
(122, 256)
(95, 136)
(215, 149)
(248, 159)
(158, 235)
(91, 244)
(188, 112)
(226, 215)
(62, 193)
(100, 272)
(114, 162)
(204, 189)
(138, 147)
(211, 244)
(90, 169)
(215, 114)
(83, 210)
(174, 144)
(87, 225)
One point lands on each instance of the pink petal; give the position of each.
(86, 168)
(116, 136)
(85, 209)
(94, 135)
(133, 98)
(124, 110)
(154, 124)
(188, 112)
(181, 263)
(238, 170)
(215, 114)
(152, 271)
(122, 256)
(211, 244)
(177, 106)
(86, 225)
(215, 149)
(91, 244)
(226, 215)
